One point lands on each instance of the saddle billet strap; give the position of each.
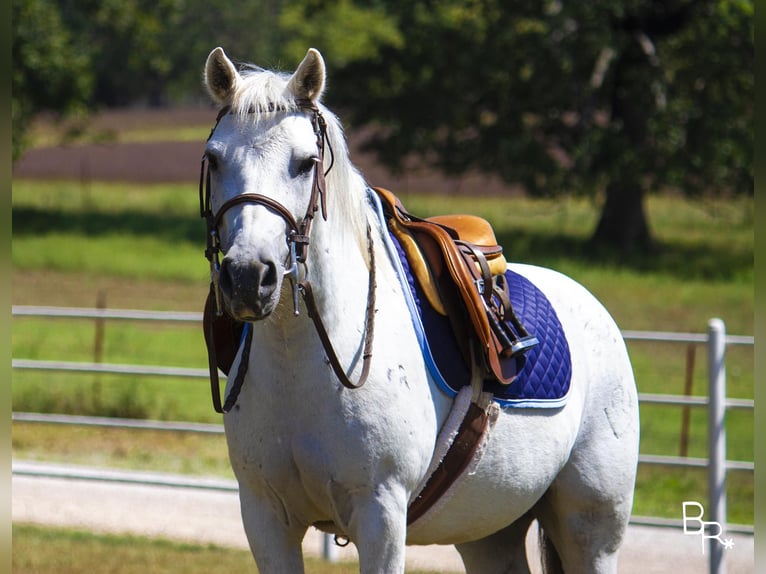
(497, 300)
(521, 339)
(456, 460)
(473, 256)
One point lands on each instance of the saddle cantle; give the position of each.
(461, 270)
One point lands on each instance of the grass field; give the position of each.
(141, 246)
(38, 550)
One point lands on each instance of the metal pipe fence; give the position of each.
(716, 341)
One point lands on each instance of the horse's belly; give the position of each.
(511, 477)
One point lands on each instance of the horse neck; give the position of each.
(338, 269)
(339, 261)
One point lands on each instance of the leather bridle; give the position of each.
(297, 236)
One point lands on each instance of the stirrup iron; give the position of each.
(523, 344)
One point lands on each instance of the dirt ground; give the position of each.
(205, 516)
(180, 161)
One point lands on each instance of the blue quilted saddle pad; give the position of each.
(543, 373)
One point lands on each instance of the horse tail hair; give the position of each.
(549, 557)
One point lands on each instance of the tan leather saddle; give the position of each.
(461, 270)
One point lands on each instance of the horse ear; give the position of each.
(308, 80)
(221, 76)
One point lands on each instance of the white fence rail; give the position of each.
(717, 403)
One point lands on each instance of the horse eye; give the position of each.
(212, 161)
(305, 166)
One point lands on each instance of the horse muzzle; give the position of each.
(250, 288)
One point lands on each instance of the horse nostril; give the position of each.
(269, 277)
(224, 279)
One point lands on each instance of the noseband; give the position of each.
(297, 236)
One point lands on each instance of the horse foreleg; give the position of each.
(503, 552)
(378, 526)
(274, 542)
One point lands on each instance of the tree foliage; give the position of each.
(348, 32)
(582, 96)
(611, 96)
(78, 55)
(49, 72)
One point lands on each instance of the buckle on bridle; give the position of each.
(292, 272)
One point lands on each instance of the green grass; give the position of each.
(43, 550)
(160, 451)
(142, 247)
(143, 232)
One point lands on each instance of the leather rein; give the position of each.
(297, 236)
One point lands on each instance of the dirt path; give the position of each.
(173, 161)
(205, 516)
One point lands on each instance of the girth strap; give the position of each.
(457, 459)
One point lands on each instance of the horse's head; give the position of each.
(265, 177)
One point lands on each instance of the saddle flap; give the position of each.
(223, 335)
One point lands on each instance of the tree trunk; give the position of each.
(623, 224)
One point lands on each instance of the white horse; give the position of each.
(308, 451)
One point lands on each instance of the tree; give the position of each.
(618, 97)
(246, 29)
(49, 72)
(126, 41)
(73, 56)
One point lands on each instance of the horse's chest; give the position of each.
(260, 439)
(284, 440)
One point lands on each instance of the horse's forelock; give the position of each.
(261, 91)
